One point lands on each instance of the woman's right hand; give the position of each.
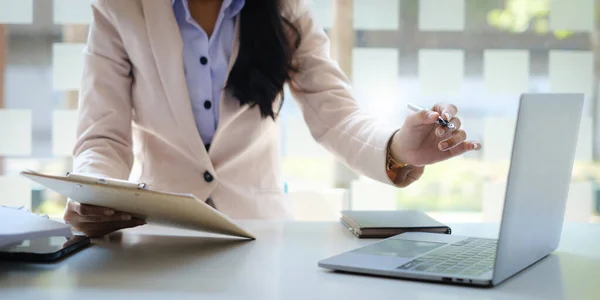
(96, 221)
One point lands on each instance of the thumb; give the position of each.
(424, 117)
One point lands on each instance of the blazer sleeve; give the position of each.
(332, 115)
(104, 136)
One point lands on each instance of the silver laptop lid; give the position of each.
(538, 181)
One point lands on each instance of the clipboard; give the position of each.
(183, 211)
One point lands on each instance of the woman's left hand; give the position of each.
(421, 141)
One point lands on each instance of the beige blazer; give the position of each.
(134, 103)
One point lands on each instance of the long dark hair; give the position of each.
(264, 63)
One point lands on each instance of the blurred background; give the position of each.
(478, 54)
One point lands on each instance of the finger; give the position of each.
(98, 233)
(423, 117)
(447, 111)
(472, 145)
(456, 139)
(443, 131)
(90, 210)
(118, 216)
(101, 232)
(116, 225)
(98, 211)
(464, 147)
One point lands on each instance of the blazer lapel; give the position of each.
(167, 47)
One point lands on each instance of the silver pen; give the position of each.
(440, 120)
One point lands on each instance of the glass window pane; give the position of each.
(478, 54)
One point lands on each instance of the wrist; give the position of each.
(397, 154)
(399, 169)
(393, 161)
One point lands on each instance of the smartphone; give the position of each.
(48, 249)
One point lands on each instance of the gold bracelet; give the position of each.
(391, 163)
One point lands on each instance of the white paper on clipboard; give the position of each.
(161, 208)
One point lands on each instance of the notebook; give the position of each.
(384, 224)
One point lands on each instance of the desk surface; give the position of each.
(160, 263)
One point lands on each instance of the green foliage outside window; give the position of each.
(521, 15)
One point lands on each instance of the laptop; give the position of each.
(538, 185)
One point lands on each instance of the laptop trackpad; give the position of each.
(399, 248)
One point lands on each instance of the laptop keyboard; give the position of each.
(469, 257)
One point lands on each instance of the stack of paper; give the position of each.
(18, 225)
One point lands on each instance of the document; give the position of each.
(19, 225)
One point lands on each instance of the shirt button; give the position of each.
(208, 177)
(207, 104)
(203, 60)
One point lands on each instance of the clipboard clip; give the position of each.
(106, 181)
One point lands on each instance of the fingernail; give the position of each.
(444, 145)
(125, 217)
(475, 146)
(431, 115)
(447, 116)
(109, 212)
(441, 131)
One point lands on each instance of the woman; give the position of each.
(196, 86)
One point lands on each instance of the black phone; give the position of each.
(46, 249)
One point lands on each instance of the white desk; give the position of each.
(159, 263)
